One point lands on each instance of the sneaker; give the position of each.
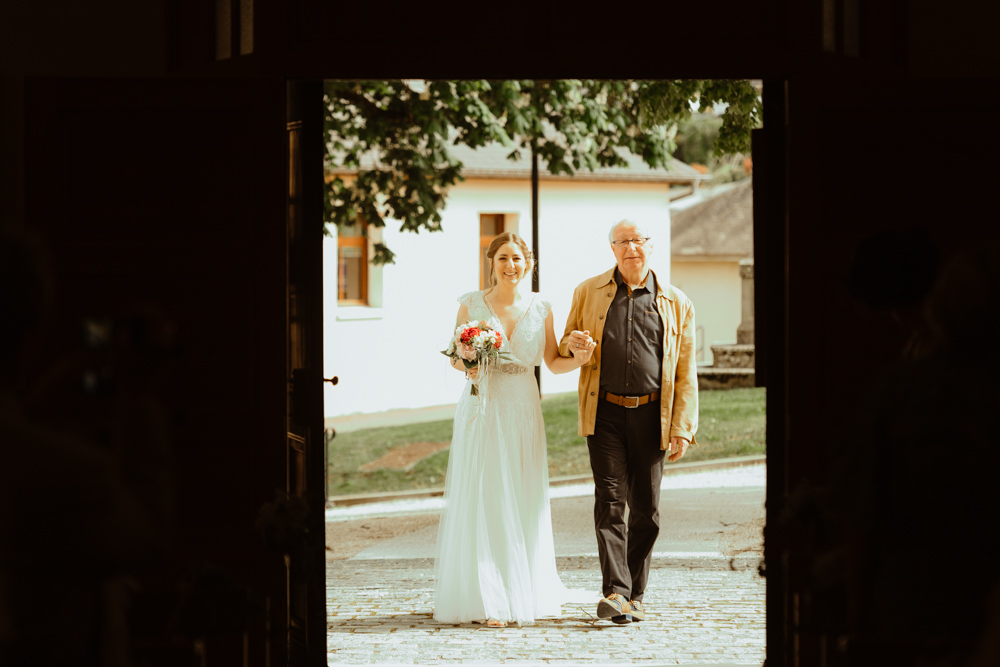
(615, 607)
(638, 611)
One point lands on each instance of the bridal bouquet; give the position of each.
(475, 343)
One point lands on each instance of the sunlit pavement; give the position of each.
(703, 606)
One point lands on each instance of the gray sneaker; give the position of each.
(615, 607)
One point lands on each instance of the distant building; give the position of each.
(708, 240)
(385, 325)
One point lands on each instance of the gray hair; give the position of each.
(638, 226)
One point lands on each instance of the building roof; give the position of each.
(720, 227)
(491, 162)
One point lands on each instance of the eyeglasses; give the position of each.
(639, 242)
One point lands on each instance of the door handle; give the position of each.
(307, 397)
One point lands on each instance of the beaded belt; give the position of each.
(512, 369)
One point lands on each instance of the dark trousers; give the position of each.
(627, 461)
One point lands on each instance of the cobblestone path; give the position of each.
(699, 612)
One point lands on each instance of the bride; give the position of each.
(495, 561)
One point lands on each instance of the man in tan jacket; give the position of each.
(638, 405)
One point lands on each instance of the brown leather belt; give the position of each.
(629, 401)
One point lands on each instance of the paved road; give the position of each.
(705, 599)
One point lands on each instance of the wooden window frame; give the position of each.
(353, 242)
(484, 242)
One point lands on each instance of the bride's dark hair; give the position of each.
(509, 237)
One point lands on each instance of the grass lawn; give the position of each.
(731, 424)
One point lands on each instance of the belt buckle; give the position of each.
(635, 400)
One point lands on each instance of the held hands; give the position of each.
(678, 446)
(581, 346)
(459, 365)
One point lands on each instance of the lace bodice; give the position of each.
(528, 344)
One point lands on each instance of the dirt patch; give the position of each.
(404, 458)
(345, 539)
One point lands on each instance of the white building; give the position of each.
(384, 326)
(708, 240)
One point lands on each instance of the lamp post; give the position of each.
(534, 240)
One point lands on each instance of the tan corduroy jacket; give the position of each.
(679, 380)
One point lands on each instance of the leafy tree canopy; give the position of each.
(697, 139)
(396, 134)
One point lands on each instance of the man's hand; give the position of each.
(678, 446)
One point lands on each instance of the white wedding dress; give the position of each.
(495, 557)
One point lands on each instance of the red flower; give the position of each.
(499, 340)
(469, 334)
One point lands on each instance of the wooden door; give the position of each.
(770, 229)
(170, 197)
(305, 443)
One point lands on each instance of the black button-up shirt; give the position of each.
(632, 349)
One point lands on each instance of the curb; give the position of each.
(670, 469)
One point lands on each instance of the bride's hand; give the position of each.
(459, 365)
(584, 352)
